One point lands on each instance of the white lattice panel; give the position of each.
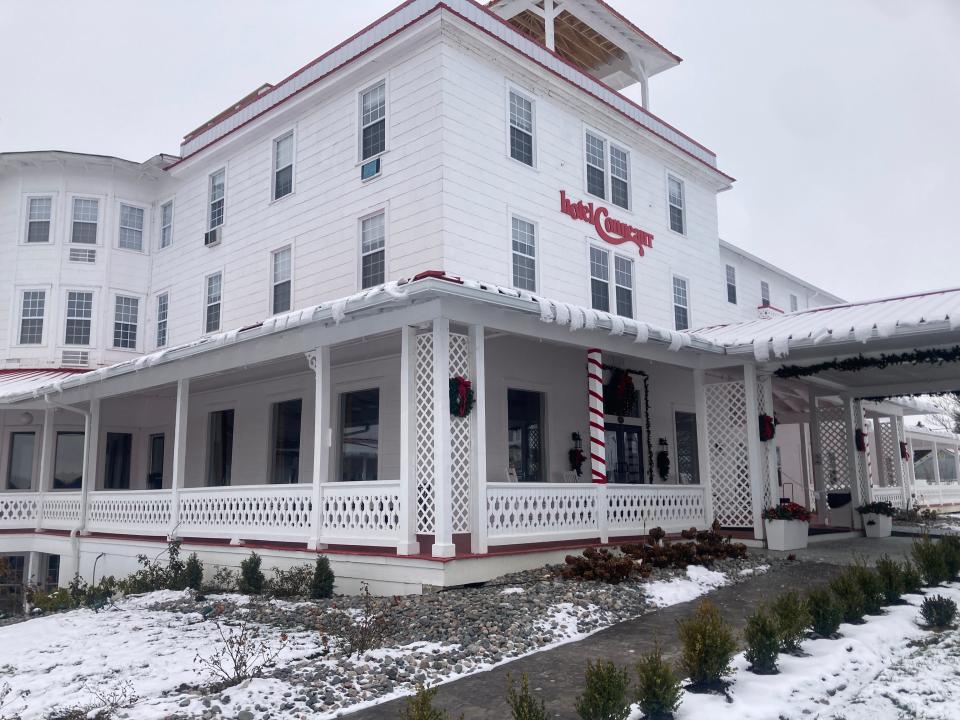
(888, 454)
(834, 447)
(19, 510)
(131, 511)
(729, 460)
(61, 510)
(365, 513)
(257, 512)
(863, 458)
(460, 439)
(638, 508)
(763, 387)
(533, 512)
(423, 398)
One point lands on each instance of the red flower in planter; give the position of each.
(787, 511)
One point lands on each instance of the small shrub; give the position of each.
(878, 508)
(826, 614)
(762, 636)
(251, 580)
(420, 706)
(155, 575)
(605, 692)
(938, 611)
(870, 586)
(224, 580)
(846, 590)
(358, 633)
(792, 616)
(708, 646)
(50, 602)
(950, 549)
(294, 582)
(598, 564)
(523, 704)
(321, 584)
(891, 579)
(911, 578)
(929, 559)
(241, 654)
(193, 572)
(658, 687)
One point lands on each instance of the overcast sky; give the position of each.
(840, 119)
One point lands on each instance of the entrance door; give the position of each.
(624, 454)
(155, 471)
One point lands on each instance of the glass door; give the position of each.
(624, 454)
(155, 472)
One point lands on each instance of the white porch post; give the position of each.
(911, 467)
(936, 470)
(46, 457)
(407, 543)
(881, 461)
(442, 458)
(319, 361)
(703, 445)
(769, 448)
(852, 420)
(91, 447)
(754, 449)
(816, 458)
(804, 465)
(478, 438)
(178, 481)
(900, 474)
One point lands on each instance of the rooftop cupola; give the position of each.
(593, 36)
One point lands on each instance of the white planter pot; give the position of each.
(881, 527)
(786, 534)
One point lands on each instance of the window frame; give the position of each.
(166, 320)
(206, 303)
(273, 279)
(534, 160)
(44, 337)
(542, 392)
(726, 275)
(794, 301)
(513, 252)
(632, 288)
(765, 301)
(211, 201)
(210, 411)
(682, 206)
(591, 247)
(361, 160)
(138, 335)
(361, 254)
(274, 405)
(161, 226)
(358, 386)
(274, 170)
(673, 302)
(121, 204)
(27, 198)
(98, 242)
(609, 145)
(8, 456)
(611, 279)
(67, 317)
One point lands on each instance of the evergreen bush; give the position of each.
(891, 579)
(826, 614)
(193, 572)
(762, 635)
(708, 647)
(420, 706)
(938, 611)
(870, 586)
(911, 578)
(658, 687)
(950, 549)
(251, 580)
(792, 615)
(523, 704)
(847, 591)
(321, 585)
(605, 692)
(928, 556)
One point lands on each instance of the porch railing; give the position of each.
(248, 512)
(892, 495)
(146, 512)
(19, 510)
(947, 493)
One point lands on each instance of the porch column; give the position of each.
(478, 439)
(319, 361)
(900, 474)
(816, 457)
(407, 542)
(882, 461)
(804, 465)
(91, 448)
(178, 480)
(852, 421)
(442, 459)
(46, 461)
(769, 448)
(598, 454)
(703, 445)
(911, 469)
(754, 450)
(936, 470)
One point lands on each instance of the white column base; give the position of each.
(315, 544)
(408, 548)
(444, 550)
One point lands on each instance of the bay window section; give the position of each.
(359, 435)
(125, 319)
(219, 447)
(599, 279)
(525, 435)
(524, 241)
(131, 228)
(79, 318)
(286, 441)
(86, 215)
(39, 212)
(20, 462)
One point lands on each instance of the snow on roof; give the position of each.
(853, 322)
(18, 382)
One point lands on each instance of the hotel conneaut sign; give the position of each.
(609, 229)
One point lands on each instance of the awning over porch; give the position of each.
(25, 382)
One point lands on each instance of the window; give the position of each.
(794, 303)
(116, 471)
(39, 211)
(681, 304)
(525, 434)
(521, 129)
(623, 450)
(675, 196)
(219, 447)
(282, 274)
(359, 435)
(131, 228)
(731, 284)
(217, 191)
(764, 293)
(596, 166)
(166, 224)
(619, 177)
(68, 461)
(286, 441)
(86, 213)
(163, 311)
(211, 321)
(373, 121)
(524, 255)
(688, 453)
(20, 464)
(31, 317)
(155, 462)
(372, 253)
(125, 315)
(600, 279)
(623, 280)
(283, 166)
(79, 317)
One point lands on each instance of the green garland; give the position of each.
(884, 360)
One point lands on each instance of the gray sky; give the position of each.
(839, 118)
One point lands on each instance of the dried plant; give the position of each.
(241, 654)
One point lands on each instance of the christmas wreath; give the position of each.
(768, 428)
(462, 397)
(904, 451)
(860, 439)
(620, 396)
(577, 459)
(663, 464)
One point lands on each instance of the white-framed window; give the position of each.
(731, 285)
(521, 128)
(283, 165)
(605, 284)
(79, 318)
(282, 280)
(33, 305)
(373, 121)
(681, 303)
(163, 314)
(596, 153)
(794, 303)
(214, 300)
(166, 224)
(677, 200)
(599, 279)
(86, 215)
(130, 236)
(623, 284)
(39, 215)
(619, 177)
(373, 261)
(524, 244)
(764, 293)
(602, 161)
(359, 435)
(217, 193)
(126, 314)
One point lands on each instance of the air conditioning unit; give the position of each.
(212, 237)
(75, 358)
(82, 255)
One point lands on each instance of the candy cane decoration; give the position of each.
(598, 454)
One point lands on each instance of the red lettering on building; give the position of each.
(609, 229)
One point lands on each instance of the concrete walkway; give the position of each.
(556, 675)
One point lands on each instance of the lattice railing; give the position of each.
(460, 440)
(61, 510)
(130, 511)
(729, 459)
(932, 494)
(19, 510)
(361, 513)
(892, 495)
(535, 512)
(635, 509)
(255, 512)
(423, 401)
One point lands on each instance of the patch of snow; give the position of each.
(511, 591)
(758, 570)
(699, 581)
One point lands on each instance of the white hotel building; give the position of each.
(251, 345)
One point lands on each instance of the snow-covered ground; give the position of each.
(886, 669)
